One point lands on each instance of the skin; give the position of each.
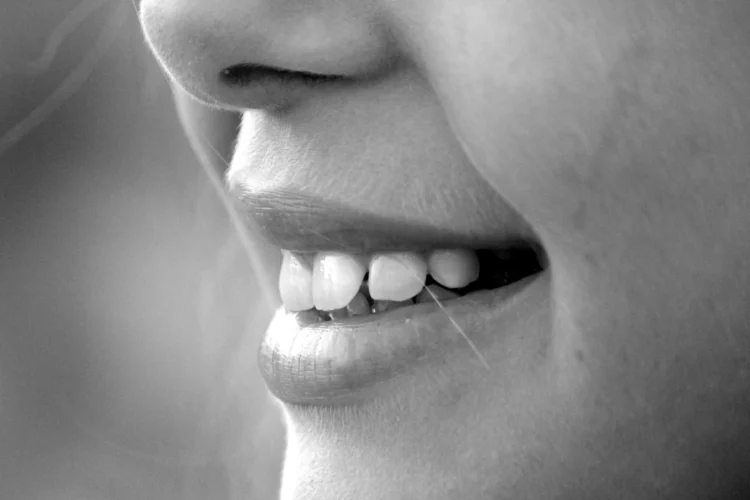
(617, 133)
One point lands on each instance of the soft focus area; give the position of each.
(129, 310)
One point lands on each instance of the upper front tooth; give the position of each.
(295, 283)
(396, 276)
(454, 268)
(336, 279)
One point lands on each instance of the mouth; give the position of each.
(353, 322)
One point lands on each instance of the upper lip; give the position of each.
(299, 222)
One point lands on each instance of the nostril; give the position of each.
(246, 74)
(256, 55)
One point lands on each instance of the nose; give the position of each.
(254, 54)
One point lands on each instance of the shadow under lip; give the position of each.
(347, 363)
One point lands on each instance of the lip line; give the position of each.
(347, 362)
(305, 223)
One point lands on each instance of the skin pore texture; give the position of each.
(616, 132)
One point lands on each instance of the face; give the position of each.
(610, 136)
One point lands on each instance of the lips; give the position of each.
(348, 351)
(295, 221)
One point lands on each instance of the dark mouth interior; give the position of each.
(246, 74)
(497, 268)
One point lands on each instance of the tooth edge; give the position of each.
(293, 278)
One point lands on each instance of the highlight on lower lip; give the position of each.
(342, 362)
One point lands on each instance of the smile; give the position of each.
(353, 321)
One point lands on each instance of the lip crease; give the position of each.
(349, 362)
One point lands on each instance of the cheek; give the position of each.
(626, 154)
(590, 136)
(532, 115)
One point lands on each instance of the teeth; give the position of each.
(453, 268)
(438, 293)
(333, 282)
(295, 283)
(396, 276)
(388, 305)
(342, 313)
(359, 306)
(336, 278)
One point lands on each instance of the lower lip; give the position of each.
(347, 362)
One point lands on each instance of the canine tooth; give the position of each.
(336, 278)
(439, 292)
(454, 268)
(295, 283)
(396, 276)
(359, 306)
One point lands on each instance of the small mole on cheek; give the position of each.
(591, 259)
(579, 356)
(700, 145)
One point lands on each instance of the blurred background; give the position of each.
(129, 310)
